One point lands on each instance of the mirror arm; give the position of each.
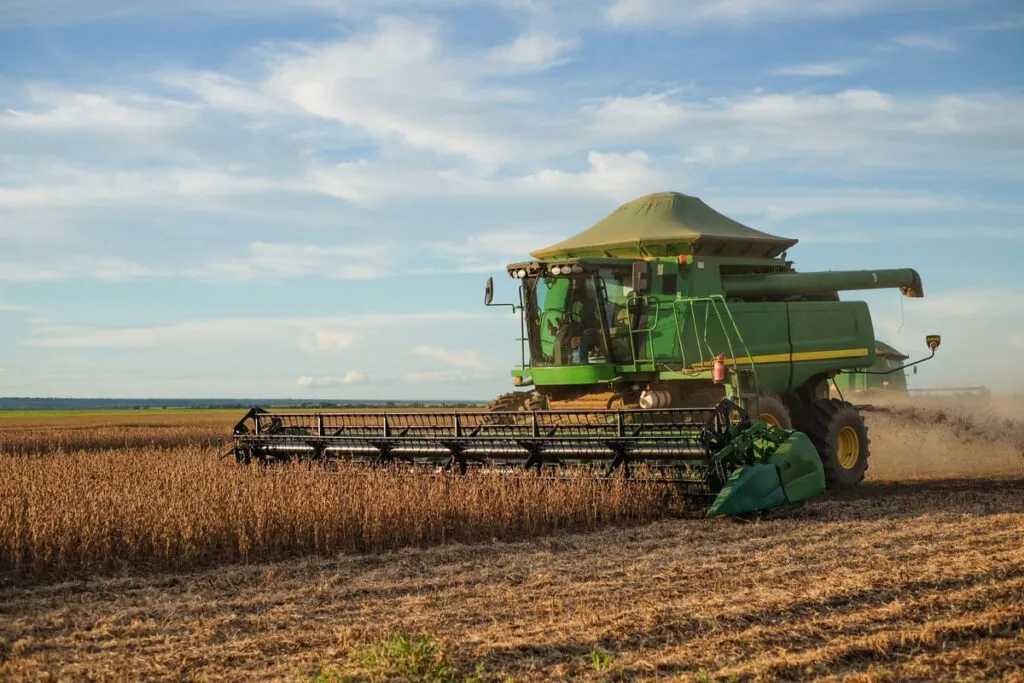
(513, 306)
(889, 372)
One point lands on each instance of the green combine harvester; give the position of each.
(666, 339)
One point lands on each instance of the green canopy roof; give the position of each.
(667, 224)
(886, 351)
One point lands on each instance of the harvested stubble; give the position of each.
(913, 582)
(89, 512)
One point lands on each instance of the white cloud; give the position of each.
(330, 340)
(825, 235)
(276, 260)
(644, 12)
(923, 41)
(619, 176)
(432, 377)
(502, 243)
(647, 113)
(230, 329)
(400, 84)
(368, 260)
(486, 253)
(857, 127)
(15, 13)
(532, 51)
(77, 187)
(840, 68)
(222, 91)
(12, 308)
(613, 175)
(350, 377)
(282, 261)
(69, 268)
(61, 110)
(457, 358)
(798, 202)
(1010, 23)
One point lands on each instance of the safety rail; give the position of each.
(636, 302)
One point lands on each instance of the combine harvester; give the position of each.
(668, 339)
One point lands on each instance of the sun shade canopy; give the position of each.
(667, 224)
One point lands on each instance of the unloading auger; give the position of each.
(718, 451)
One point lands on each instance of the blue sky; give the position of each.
(304, 197)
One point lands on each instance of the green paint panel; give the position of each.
(749, 489)
(800, 470)
(584, 374)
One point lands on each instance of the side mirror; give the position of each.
(933, 341)
(641, 277)
(489, 292)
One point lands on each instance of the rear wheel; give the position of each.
(837, 430)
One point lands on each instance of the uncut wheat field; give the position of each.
(129, 551)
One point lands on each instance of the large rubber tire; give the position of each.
(837, 430)
(514, 401)
(769, 408)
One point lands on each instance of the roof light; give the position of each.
(577, 268)
(521, 273)
(556, 270)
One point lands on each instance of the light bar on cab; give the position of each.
(565, 269)
(520, 271)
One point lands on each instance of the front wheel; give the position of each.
(513, 401)
(770, 409)
(837, 430)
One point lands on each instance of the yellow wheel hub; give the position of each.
(770, 420)
(848, 451)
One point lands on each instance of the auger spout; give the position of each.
(906, 280)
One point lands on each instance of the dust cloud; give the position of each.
(937, 437)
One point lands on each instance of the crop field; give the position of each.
(127, 550)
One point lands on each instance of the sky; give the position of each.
(304, 198)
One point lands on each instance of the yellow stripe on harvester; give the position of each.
(787, 357)
(828, 355)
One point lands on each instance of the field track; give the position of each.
(917, 575)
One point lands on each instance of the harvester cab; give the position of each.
(665, 338)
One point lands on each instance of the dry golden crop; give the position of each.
(86, 512)
(85, 494)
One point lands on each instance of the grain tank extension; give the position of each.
(666, 335)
